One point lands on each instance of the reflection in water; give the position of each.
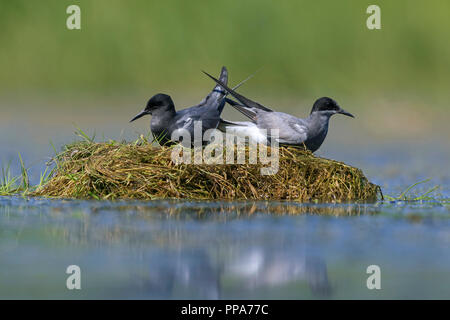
(213, 250)
(259, 267)
(183, 248)
(230, 210)
(169, 273)
(203, 276)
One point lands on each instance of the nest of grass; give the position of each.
(89, 170)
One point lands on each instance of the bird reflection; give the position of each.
(205, 250)
(188, 274)
(197, 274)
(257, 268)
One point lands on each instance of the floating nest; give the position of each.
(112, 170)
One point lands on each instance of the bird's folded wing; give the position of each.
(184, 122)
(217, 93)
(289, 133)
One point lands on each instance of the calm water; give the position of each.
(184, 249)
(175, 249)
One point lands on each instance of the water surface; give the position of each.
(209, 250)
(180, 249)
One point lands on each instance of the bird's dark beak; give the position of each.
(345, 113)
(140, 115)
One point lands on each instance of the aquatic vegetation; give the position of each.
(139, 170)
(422, 197)
(8, 183)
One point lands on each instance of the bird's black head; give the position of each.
(159, 100)
(156, 102)
(328, 106)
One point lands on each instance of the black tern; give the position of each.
(165, 120)
(310, 132)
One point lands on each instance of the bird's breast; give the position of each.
(315, 140)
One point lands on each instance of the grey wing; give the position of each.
(214, 98)
(183, 122)
(208, 110)
(298, 137)
(285, 128)
(187, 121)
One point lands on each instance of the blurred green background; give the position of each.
(307, 48)
(395, 80)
